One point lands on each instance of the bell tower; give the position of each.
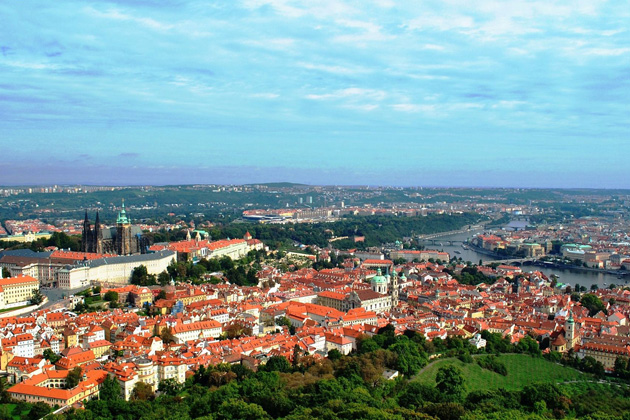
(123, 233)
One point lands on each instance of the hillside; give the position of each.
(522, 370)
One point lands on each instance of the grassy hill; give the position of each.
(522, 370)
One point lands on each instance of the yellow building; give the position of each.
(604, 353)
(17, 291)
(48, 387)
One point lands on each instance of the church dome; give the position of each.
(379, 278)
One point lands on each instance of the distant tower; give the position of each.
(569, 331)
(394, 288)
(98, 235)
(310, 199)
(86, 235)
(123, 233)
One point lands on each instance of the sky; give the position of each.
(372, 92)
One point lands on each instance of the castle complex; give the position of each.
(123, 239)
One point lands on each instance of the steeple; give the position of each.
(122, 215)
(86, 234)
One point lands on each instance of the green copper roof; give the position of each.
(378, 278)
(122, 216)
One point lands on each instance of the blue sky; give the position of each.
(429, 93)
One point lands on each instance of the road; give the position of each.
(57, 297)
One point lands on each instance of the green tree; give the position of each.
(170, 387)
(38, 410)
(96, 290)
(450, 382)
(409, 360)
(51, 356)
(334, 354)
(593, 303)
(74, 377)
(37, 297)
(142, 392)
(161, 295)
(240, 410)
(5, 412)
(277, 364)
(111, 296)
(140, 276)
(4, 393)
(5, 273)
(164, 278)
(110, 389)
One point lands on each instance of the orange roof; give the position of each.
(10, 281)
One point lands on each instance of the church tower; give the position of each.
(123, 233)
(394, 289)
(86, 235)
(98, 235)
(569, 331)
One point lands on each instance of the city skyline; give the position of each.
(448, 93)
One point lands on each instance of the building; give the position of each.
(48, 387)
(17, 291)
(114, 270)
(123, 239)
(194, 330)
(604, 353)
(409, 255)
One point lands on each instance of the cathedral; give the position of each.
(123, 239)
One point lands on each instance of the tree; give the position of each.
(4, 393)
(111, 296)
(110, 389)
(593, 303)
(240, 410)
(74, 377)
(142, 391)
(164, 278)
(140, 276)
(5, 273)
(167, 335)
(450, 382)
(51, 356)
(37, 297)
(278, 364)
(161, 295)
(38, 410)
(409, 360)
(96, 290)
(334, 354)
(170, 387)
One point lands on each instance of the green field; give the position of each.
(522, 370)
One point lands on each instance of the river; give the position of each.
(566, 276)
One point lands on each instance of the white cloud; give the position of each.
(115, 14)
(332, 69)
(265, 95)
(351, 93)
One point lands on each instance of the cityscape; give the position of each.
(292, 210)
(142, 298)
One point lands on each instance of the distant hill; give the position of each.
(280, 184)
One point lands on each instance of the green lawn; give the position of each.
(522, 370)
(15, 309)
